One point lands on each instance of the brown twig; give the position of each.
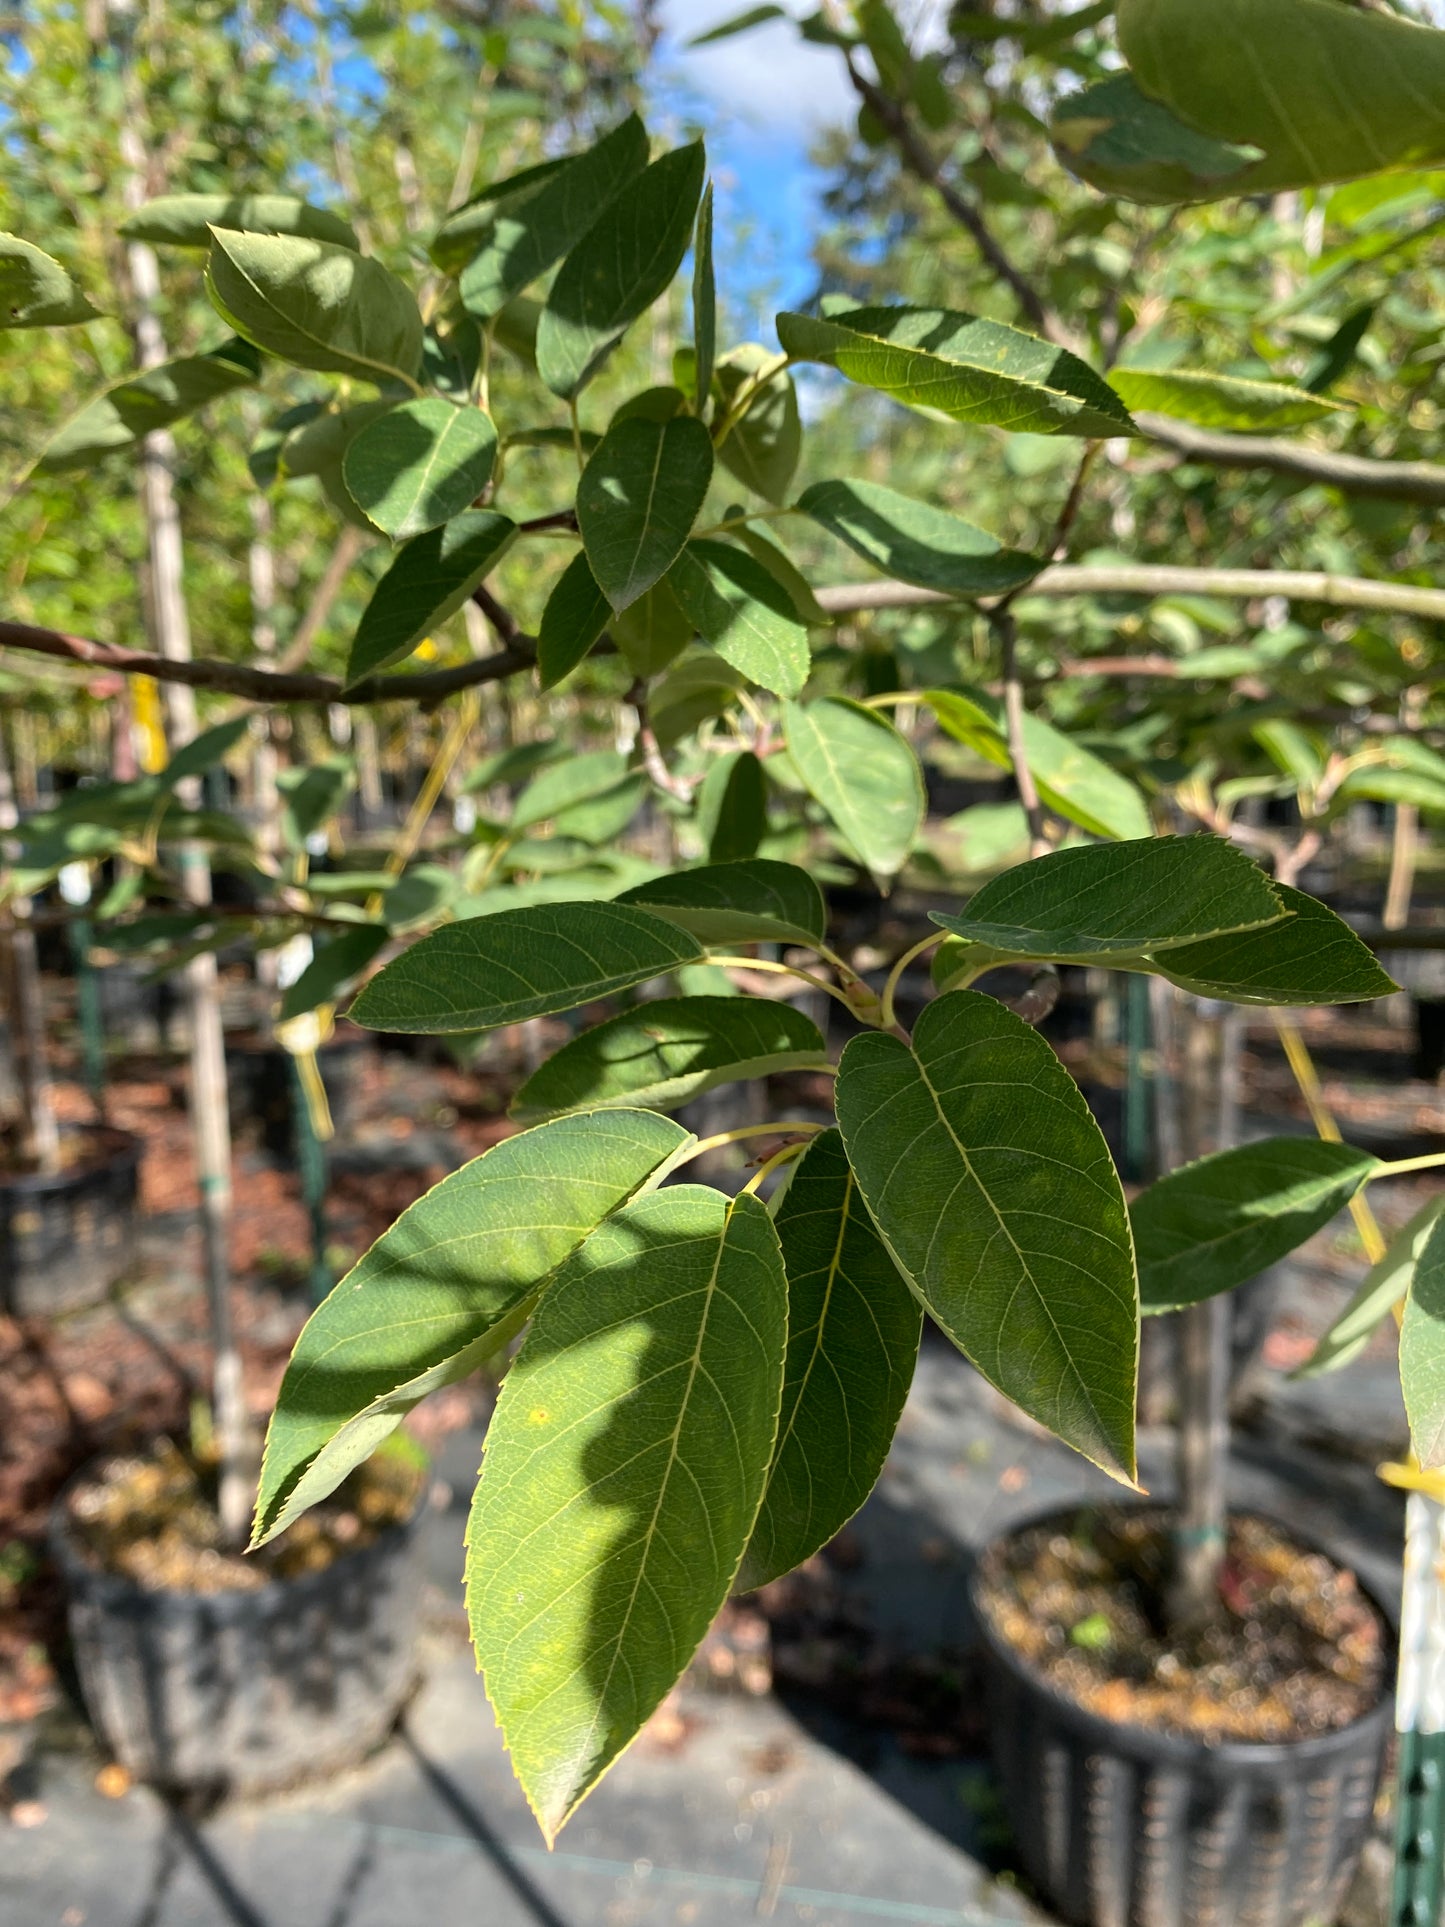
(1420, 482)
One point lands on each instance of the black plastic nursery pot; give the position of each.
(246, 1692)
(66, 1238)
(1121, 1826)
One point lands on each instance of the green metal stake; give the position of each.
(311, 1169)
(1420, 1719)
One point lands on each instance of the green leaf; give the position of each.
(786, 573)
(993, 1189)
(1385, 1286)
(514, 231)
(1071, 780)
(1218, 401)
(576, 780)
(1122, 142)
(740, 23)
(1118, 900)
(316, 305)
(652, 632)
(960, 366)
(853, 1334)
(1327, 92)
(35, 291)
(205, 750)
(661, 1054)
(602, 819)
(1222, 1220)
(430, 579)
(855, 764)
(623, 1471)
(698, 688)
(743, 612)
(1422, 1353)
(704, 304)
(420, 464)
(732, 806)
(333, 969)
(1385, 785)
(186, 220)
(576, 615)
(915, 541)
(130, 410)
(637, 500)
(618, 269)
(754, 901)
(1312, 958)
(762, 449)
(520, 963)
(311, 794)
(446, 1286)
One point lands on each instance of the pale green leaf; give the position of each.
(35, 291)
(623, 1471)
(1218, 401)
(652, 632)
(576, 780)
(853, 1333)
(762, 449)
(316, 305)
(186, 220)
(637, 500)
(1222, 1220)
(601, 819)
(993, 1189)
(158, 398)
(1118, 900)
(573, 621)
(958, 365)
(514, 231)
(667, 1051)
(430, 579)
(618, 269)
(1312, 958)
(1071, 780)
(445, 1287)
(915, 541)
(751, 901)
(419, 464)
(740, 609)
(493, 970)
(1122, 142)
(1384, 1287)
(855, 764)
(1422, 1352)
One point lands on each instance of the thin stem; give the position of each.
(1013, 708)
(786, 970)
(1431, 1162)
(1308, 1079)
(895, 975)
(747, 394)
(576, 421)
(746, 1131)
(767, 1168)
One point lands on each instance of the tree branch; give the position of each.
(271, 685)
(1074, 579)
(1421, 482)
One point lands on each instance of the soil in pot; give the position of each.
(1296, 1650)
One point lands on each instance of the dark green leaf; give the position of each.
(198, 755)
(853, 1332)
(762, 449)
(333, 969)
(1422, 1353)
(704, 304)
(915, 541)
(35, 291)
(785, 572)
(664, 1053)
(123, 415)
(741, 609)
(994, 1191)
(420, 464)
(431, 578)
(574, 619)
(1312, 958)
(1214, 1224)
(652, 632)
(1118, 900)
(732, 806)
(520, 228)
(963, 367)
(311, 794)
(445, 1287)
(637, 501)
(1385, 1286)
(316, 305)
(751, 901)
(1122, 142)
(740, 23)
(624, 1468)
(618, 269)
(518, 964)
(186, 220)
(855, 764)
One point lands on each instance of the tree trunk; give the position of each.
(38, 1135)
